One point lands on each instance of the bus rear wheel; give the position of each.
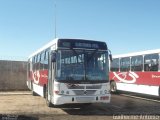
(113, 87)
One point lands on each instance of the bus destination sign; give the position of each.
(86, 45)
(77, 43)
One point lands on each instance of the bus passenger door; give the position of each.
(49, 87)
(51, 74)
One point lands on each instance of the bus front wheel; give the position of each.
(113, 87)
(48, 102)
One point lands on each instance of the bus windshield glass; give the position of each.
(82, 65)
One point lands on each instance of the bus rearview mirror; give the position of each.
(110, 57)
(53, 57)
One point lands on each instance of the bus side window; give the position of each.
(137, 63)
(115, 65)
(125, 64)
(151, 62)
(33, 61)
(46, 59)
(34, 64)
(38, 62)
(42, 60)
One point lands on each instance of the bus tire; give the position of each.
(48, 102)
(34, 93)
(113, 87)
(44, 91)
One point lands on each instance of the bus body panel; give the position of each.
(137, 72)
(39, 77)
(140, 78)
(144, 89)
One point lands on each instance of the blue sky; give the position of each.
(126, 25)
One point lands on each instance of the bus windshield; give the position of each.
(82, 65)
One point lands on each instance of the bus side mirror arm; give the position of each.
(110, 55)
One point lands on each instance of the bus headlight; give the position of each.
(62, 92)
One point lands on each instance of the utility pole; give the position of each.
(55, 20)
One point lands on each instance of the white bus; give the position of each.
(70, 71)
(136, 72)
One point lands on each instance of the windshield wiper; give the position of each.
(92, 55)
(77, 54)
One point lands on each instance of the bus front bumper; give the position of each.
(66, 99)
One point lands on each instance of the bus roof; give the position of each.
(44, 47)
(137, 53)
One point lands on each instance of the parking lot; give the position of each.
(33, 107)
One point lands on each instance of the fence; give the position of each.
(13, 75)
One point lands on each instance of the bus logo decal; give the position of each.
(131, 75)
(36, 76)
(85, 92)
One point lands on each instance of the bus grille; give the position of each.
(84, 92)
(74, 86)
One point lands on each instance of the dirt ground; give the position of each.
(24, 106)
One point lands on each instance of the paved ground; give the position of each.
(24, 105)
